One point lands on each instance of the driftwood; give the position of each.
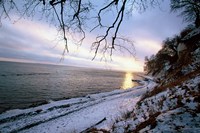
(93, 126)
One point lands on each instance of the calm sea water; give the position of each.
(23, 85)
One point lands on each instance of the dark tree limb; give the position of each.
(117, 23)
(70, 17)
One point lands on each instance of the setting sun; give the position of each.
(132, 65)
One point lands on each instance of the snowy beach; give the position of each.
(76, 114)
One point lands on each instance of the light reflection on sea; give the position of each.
(127, 83)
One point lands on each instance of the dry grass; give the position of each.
(172, 84)
(94, 130)
(151, 121)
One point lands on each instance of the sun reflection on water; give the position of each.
(128, 83)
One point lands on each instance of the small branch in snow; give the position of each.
(93, 126)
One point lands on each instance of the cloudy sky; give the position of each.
(36, 41)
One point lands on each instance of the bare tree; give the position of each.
(190, 10)
(70, 17)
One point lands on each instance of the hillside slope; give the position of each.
(173, 105)
(175, 109)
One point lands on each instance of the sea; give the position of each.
(24, 85)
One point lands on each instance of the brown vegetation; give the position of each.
(171, 84)
(151, 121)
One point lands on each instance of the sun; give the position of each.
(130, 65)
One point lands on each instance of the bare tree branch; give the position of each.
(71, 17)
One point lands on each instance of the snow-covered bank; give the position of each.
(74, 115)
(176, 109)
(173, 105)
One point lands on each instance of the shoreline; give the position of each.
(107, 104)
(46, 101)
(43, 102)
(28, 85)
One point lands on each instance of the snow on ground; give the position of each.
(176, 109)
(74, 115)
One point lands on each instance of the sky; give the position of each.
(35, 41)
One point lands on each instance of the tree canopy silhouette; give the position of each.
(190, 10)
(71, 16)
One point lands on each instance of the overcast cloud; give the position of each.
(35, 40)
